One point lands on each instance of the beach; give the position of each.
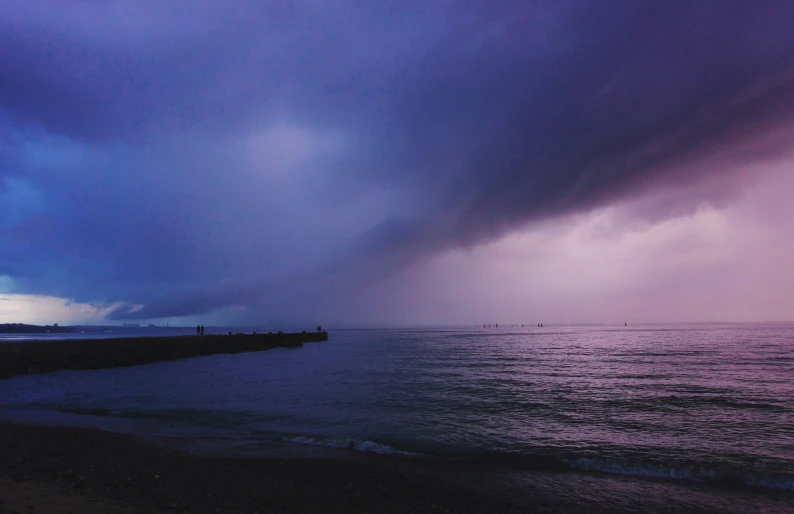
(669, 419)
(61, 469)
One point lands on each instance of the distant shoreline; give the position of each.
(22, 328)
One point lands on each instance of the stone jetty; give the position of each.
(24, 358)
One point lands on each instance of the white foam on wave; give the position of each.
(771, 482)
(696, 475)
(585, 464)
(348, 443)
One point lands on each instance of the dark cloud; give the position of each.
(459, 122)
(633, 94)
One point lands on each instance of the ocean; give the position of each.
(687, 417)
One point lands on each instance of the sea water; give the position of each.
(707, 410)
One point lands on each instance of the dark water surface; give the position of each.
(687, 416)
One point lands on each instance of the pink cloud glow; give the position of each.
(727, 260)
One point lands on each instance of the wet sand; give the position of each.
(52, 470)
(28, 497)
(61, 469)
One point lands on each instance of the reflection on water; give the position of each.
(690, 404)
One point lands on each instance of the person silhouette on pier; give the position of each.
(198, 330)
(202, 329)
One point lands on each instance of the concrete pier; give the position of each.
(46, 356)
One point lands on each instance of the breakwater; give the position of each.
(47, 356)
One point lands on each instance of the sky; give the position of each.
(396, 162)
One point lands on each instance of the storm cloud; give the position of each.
(192, 156)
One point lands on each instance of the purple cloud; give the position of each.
(189, 156)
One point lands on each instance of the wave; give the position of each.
(550, 463)
(694, 401)
(541, 461)
(88, 411)
(196, 416)
(693, 474)
(349, 443)
(604, 466)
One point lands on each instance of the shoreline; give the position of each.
(44, 356)
(49, 468)
(123, 473)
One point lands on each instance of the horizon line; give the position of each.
(372, 326)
